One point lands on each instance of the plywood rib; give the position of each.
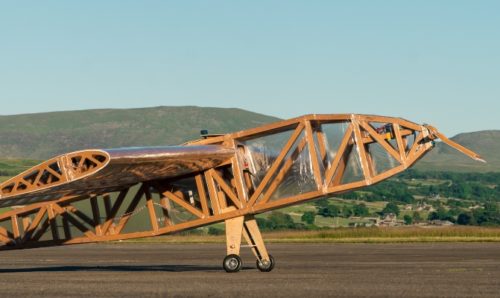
(100, 171)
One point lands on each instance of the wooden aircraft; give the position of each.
(93, 195)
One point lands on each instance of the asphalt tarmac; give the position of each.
(302, 270)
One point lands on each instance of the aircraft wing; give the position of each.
(92, 172)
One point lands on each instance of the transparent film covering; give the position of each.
(298, 172)
(381, 159)
(294, 174)
(185, 189)
(262, 152)
(353, 171)
(334, 133)
(179, 215)
(349, 168)
(167, 211)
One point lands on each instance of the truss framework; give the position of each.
(324, 154)
(56, 171)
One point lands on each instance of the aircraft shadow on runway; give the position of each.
(118, 268)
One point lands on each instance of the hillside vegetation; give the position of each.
(12, 167)
(444, 158)
(44, 135)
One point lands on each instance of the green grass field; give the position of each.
(12, 167)
(354, 235)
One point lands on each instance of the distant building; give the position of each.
(474, 207)
(426, 207)
(390, 220)
(438, 222)
(363, 221)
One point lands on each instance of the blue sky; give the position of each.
(428, 61)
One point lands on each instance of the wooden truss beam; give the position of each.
(228, 192)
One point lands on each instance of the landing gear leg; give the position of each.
(246, 226)
(232, 262)
(251, 232)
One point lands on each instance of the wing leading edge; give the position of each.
(91, 172)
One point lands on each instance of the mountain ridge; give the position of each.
(485, 142)
(40, 136)
(43, 135)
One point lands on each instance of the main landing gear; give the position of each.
(246, 226)
(232, 263)
(266, 265)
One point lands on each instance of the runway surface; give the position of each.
(302, 270)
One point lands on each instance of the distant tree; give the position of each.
(215, 231)
(322, 203)
(360, 210)
(491, 207)
(487, 216)
(308, 217)
(464, 219)
(459, 189)
(417, 217)
(435, 203)
(334, 210)
(281, 220)
(441, 213)
(454, 211)
(458, 203)
(390, 208)
(347, 211)
(403, 188)
(408, 219)
(353, 195)
(406, 198)
(323, 211)
(433, 216)
(265, 224)
(329, 211)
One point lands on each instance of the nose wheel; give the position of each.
(232, 263)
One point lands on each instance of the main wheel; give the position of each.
(267, 265)
(232, 263)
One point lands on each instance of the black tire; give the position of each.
(232, 263)
(266, 267)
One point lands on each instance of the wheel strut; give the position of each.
(246, 226)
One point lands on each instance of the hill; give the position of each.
(43, 135)
(444, 158)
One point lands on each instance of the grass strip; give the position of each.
(353, 235)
